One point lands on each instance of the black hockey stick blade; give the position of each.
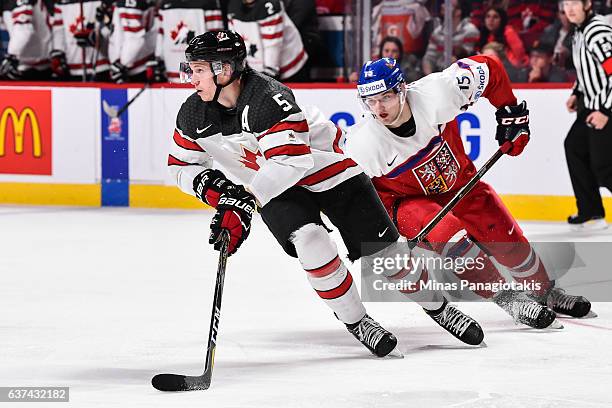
(177, 382)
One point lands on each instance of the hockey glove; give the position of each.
(234, 214)
(9, 68)
(513, 127)
(156, 71)
(85, 37)
(118, 72)
(210, 184)
(59, 66)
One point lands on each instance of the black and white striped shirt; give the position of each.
(592, 54)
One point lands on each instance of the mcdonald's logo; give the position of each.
(19, 127)
(25, 132)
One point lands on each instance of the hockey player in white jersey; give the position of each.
(274, 45)
(179, 22)
(29, 28)
(409, 143)
(272, 156)
(132, 40)
(76, 39)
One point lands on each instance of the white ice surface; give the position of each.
(100, 300)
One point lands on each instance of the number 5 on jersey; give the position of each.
(278, 98)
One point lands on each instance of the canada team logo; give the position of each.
(439, 173)
(25, 132)
(248, 158)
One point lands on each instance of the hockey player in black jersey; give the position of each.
(273, 157)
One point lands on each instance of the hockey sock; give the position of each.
(326, 272)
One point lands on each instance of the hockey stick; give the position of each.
(83, 54)
(177, 382)
(460, 194)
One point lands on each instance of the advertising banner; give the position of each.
(25, 132)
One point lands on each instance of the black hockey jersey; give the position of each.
(266, 143)
(28, 23)
(274, 45)
(179, 22)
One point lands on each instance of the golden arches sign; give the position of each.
(19, 127)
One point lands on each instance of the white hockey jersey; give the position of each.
(132, 41)
(432, 160)
(28, 23)
(179, 22)
(274, 45)
(67, 20)
(268, 143)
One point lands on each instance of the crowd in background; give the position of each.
(144, 40)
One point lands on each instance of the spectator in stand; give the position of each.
(465, 37)
(498, 51)
(479, 7)
(529, 18)
(541, 68)
(132, 42)
(27, 57)
(496, 28)
(274, 46)
(557, 34)
(178, 22)
(391, 47)
(409, 20)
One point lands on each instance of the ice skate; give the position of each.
(457, 323)
(372, 335)
(525, 310)
(571, 305)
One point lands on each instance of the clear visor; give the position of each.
(201, 70)
(386, 100)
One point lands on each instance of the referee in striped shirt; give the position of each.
(588, 145)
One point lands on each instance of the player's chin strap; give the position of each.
(402, 96)
(235, 75)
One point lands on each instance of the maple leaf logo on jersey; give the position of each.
(249, 158)
(181, 33)
(78, 23)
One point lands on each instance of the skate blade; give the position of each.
(590, 226)
(395, 353)
(590, 315)
(556, 324)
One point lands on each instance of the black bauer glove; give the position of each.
(513, 127)
(86, 36)
(210, 184)
(9, 68)
(156, 71)
(59, 66)
(234, 213)
(118, 72)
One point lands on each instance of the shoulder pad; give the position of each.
(269, 102)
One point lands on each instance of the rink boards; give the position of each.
(62, 146)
